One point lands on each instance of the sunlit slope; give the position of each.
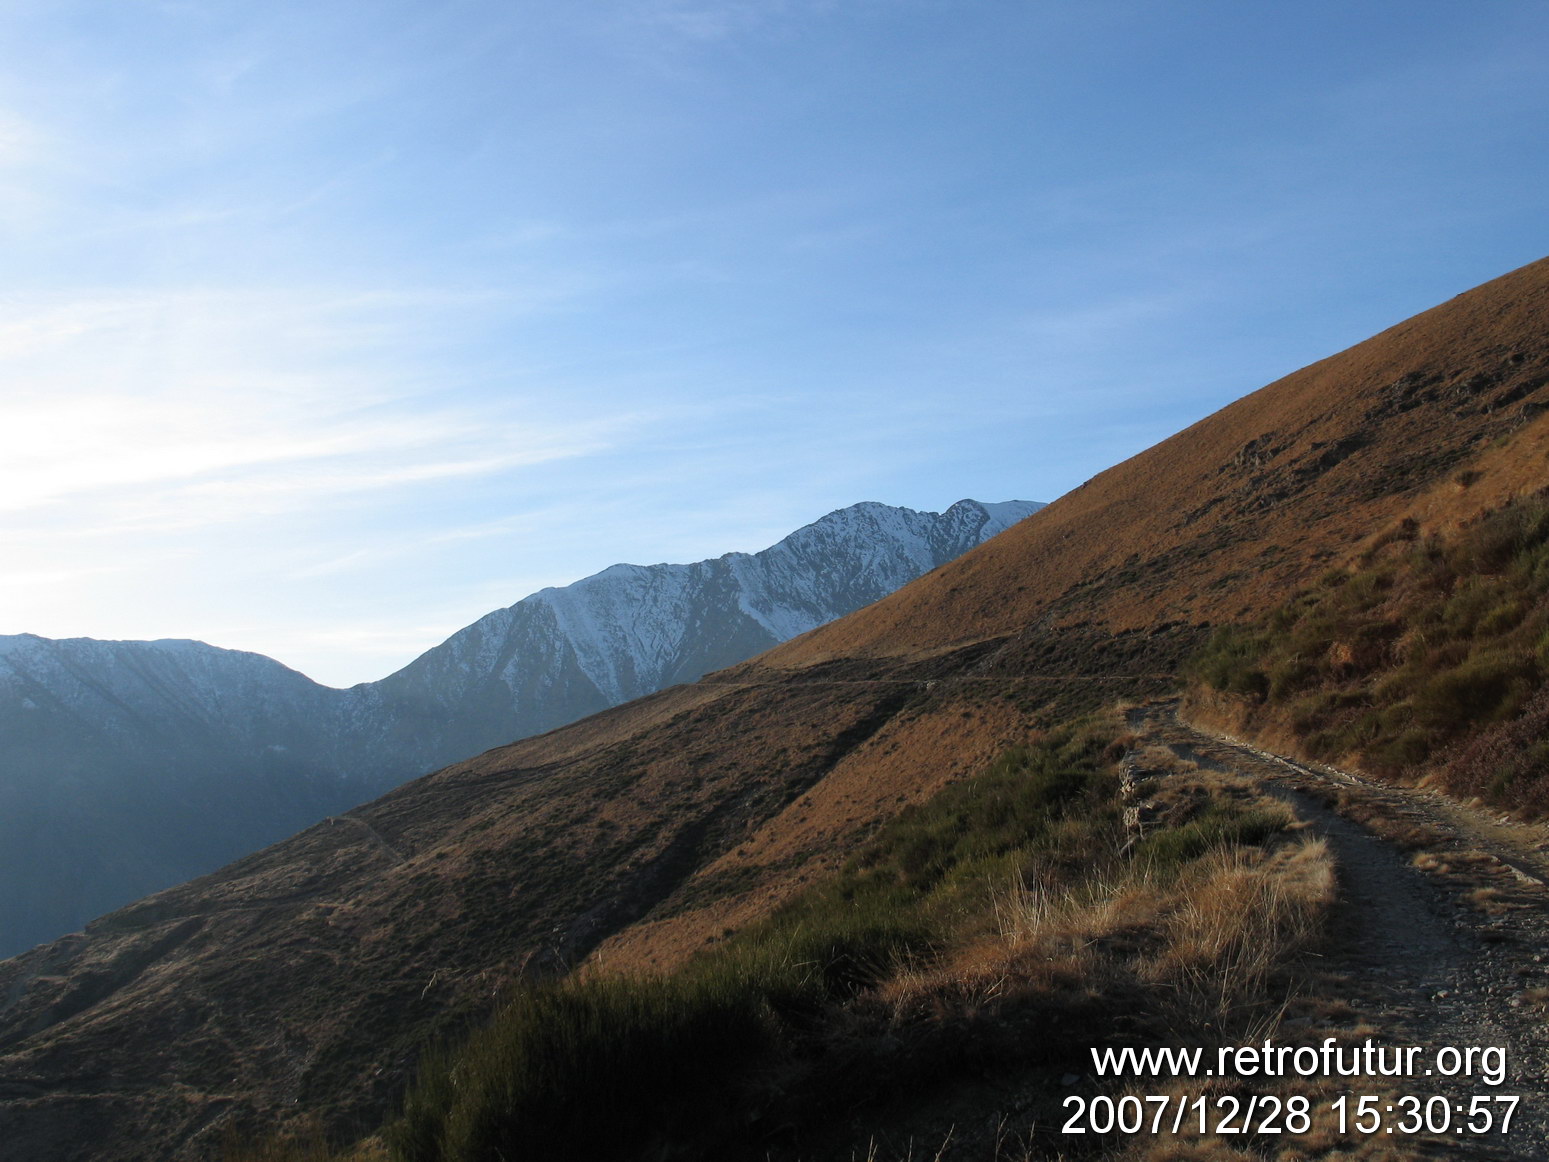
(1222, 519)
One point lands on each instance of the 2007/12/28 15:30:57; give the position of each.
(1269, 1114)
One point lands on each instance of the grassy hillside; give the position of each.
(1428, 656)
(1220, 521)
(1009, 923)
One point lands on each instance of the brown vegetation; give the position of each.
(1426, 658)
(1005, 924)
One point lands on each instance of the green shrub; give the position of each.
(1229, 661)
(1219, 825)
(1397, 752)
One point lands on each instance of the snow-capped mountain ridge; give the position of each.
(127, 766)
(631, 629)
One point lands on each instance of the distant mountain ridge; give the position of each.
(126, 767)
(633, 629)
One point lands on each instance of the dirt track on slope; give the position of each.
(1454, 955)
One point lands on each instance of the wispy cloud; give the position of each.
(24, 579)
(184, 408)
(20, 140)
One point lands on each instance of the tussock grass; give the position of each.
(1229, 923)
(1185, 948)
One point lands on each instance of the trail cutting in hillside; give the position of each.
(1441, 934)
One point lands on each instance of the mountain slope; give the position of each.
(561, 654)
(126, 767)
(1221, 519)
(307, 977)
(105, 790)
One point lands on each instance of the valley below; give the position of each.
(127, 767)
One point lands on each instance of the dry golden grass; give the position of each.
(1234, 919)
(1488, 901)
(1205, 946)
(1160, 758)
(1205, 949)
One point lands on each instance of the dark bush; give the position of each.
(591, 1069)
(1478, 691)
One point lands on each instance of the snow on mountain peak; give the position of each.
(179, 721)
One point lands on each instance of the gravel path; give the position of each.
(1449, 956)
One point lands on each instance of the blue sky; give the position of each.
(326, 328)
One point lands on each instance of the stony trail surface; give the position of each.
(1440, 935)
